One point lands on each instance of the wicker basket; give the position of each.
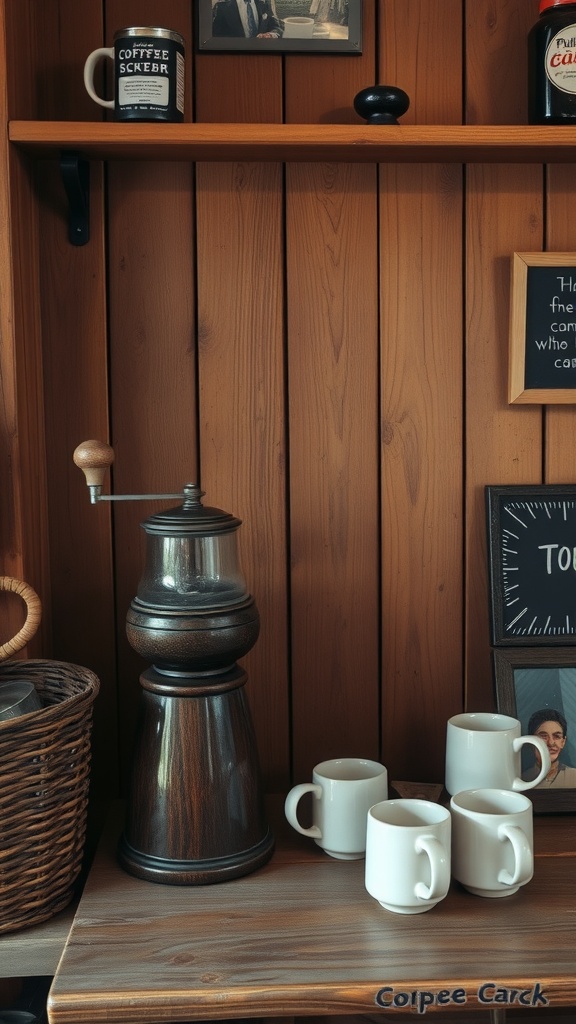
(44, 781)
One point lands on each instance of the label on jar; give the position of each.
(560, 59)
(149, 71)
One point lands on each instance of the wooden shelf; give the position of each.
(36, 951)
(302, 937)
(299, 142)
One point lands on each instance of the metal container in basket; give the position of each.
(44, 781)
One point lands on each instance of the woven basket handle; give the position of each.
(34, 614)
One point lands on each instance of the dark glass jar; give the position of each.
(552, 64)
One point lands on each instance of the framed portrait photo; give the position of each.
(279, 26)
(538, 687)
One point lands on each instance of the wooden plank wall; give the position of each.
(323, 345)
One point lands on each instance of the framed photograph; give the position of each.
(538, 687)
(532, 564)
(279, 26)
(542, 346)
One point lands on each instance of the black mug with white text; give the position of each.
(148, 74)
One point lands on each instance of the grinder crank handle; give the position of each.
(94, 458)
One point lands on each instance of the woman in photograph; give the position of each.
(551, 726)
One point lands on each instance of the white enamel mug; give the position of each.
(492, 841)
(483, 751)
(298, 28)
(343, 789)
(408, 855)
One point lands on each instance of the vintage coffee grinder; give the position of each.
(195, 812)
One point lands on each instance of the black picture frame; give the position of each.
(344, 25)
(527, 680)
(532, 564)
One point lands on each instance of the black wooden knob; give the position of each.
(381, 104)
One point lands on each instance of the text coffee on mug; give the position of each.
(483, 750)
(148, 74)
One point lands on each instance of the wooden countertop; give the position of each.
(35, 951)
(302, 936)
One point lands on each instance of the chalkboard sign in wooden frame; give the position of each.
(543, 680)
(532, 564)
(542, 342)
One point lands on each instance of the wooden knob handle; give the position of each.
(94, 458)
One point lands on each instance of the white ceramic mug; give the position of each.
(343, 790)
(298, 28)
(483, 751)
(408, 854)
(492, 844)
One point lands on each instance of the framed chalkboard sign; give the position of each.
(532, 564)
(543, 328)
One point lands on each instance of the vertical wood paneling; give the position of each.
(420, 274)
(75, 394)
(340, 383)
(420, 50)
(497, 60)
(61, 371)
(62, 35)
(421, 417)
(323, 88)
(560, 421)
(74, 366)
(242, 445)
(504, 214)
(503, 443)
(332, 417)
(152, 363)
(332, 422)
(152, 350)
(23, 520)
(31, 489)
(232, 87)
(24, 484)
(12, 543)
(240, 253)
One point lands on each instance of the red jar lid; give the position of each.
(546, 4)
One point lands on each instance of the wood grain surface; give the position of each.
(36, 951)
(301, 936)
(262, 141)
(323, 343)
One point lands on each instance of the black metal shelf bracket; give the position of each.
(75, 171)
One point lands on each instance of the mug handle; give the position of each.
(439, 869)
(519, 784)
(291, 808)
(91, 62)
(523, 860)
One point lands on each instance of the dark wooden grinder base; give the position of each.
(195, 813)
